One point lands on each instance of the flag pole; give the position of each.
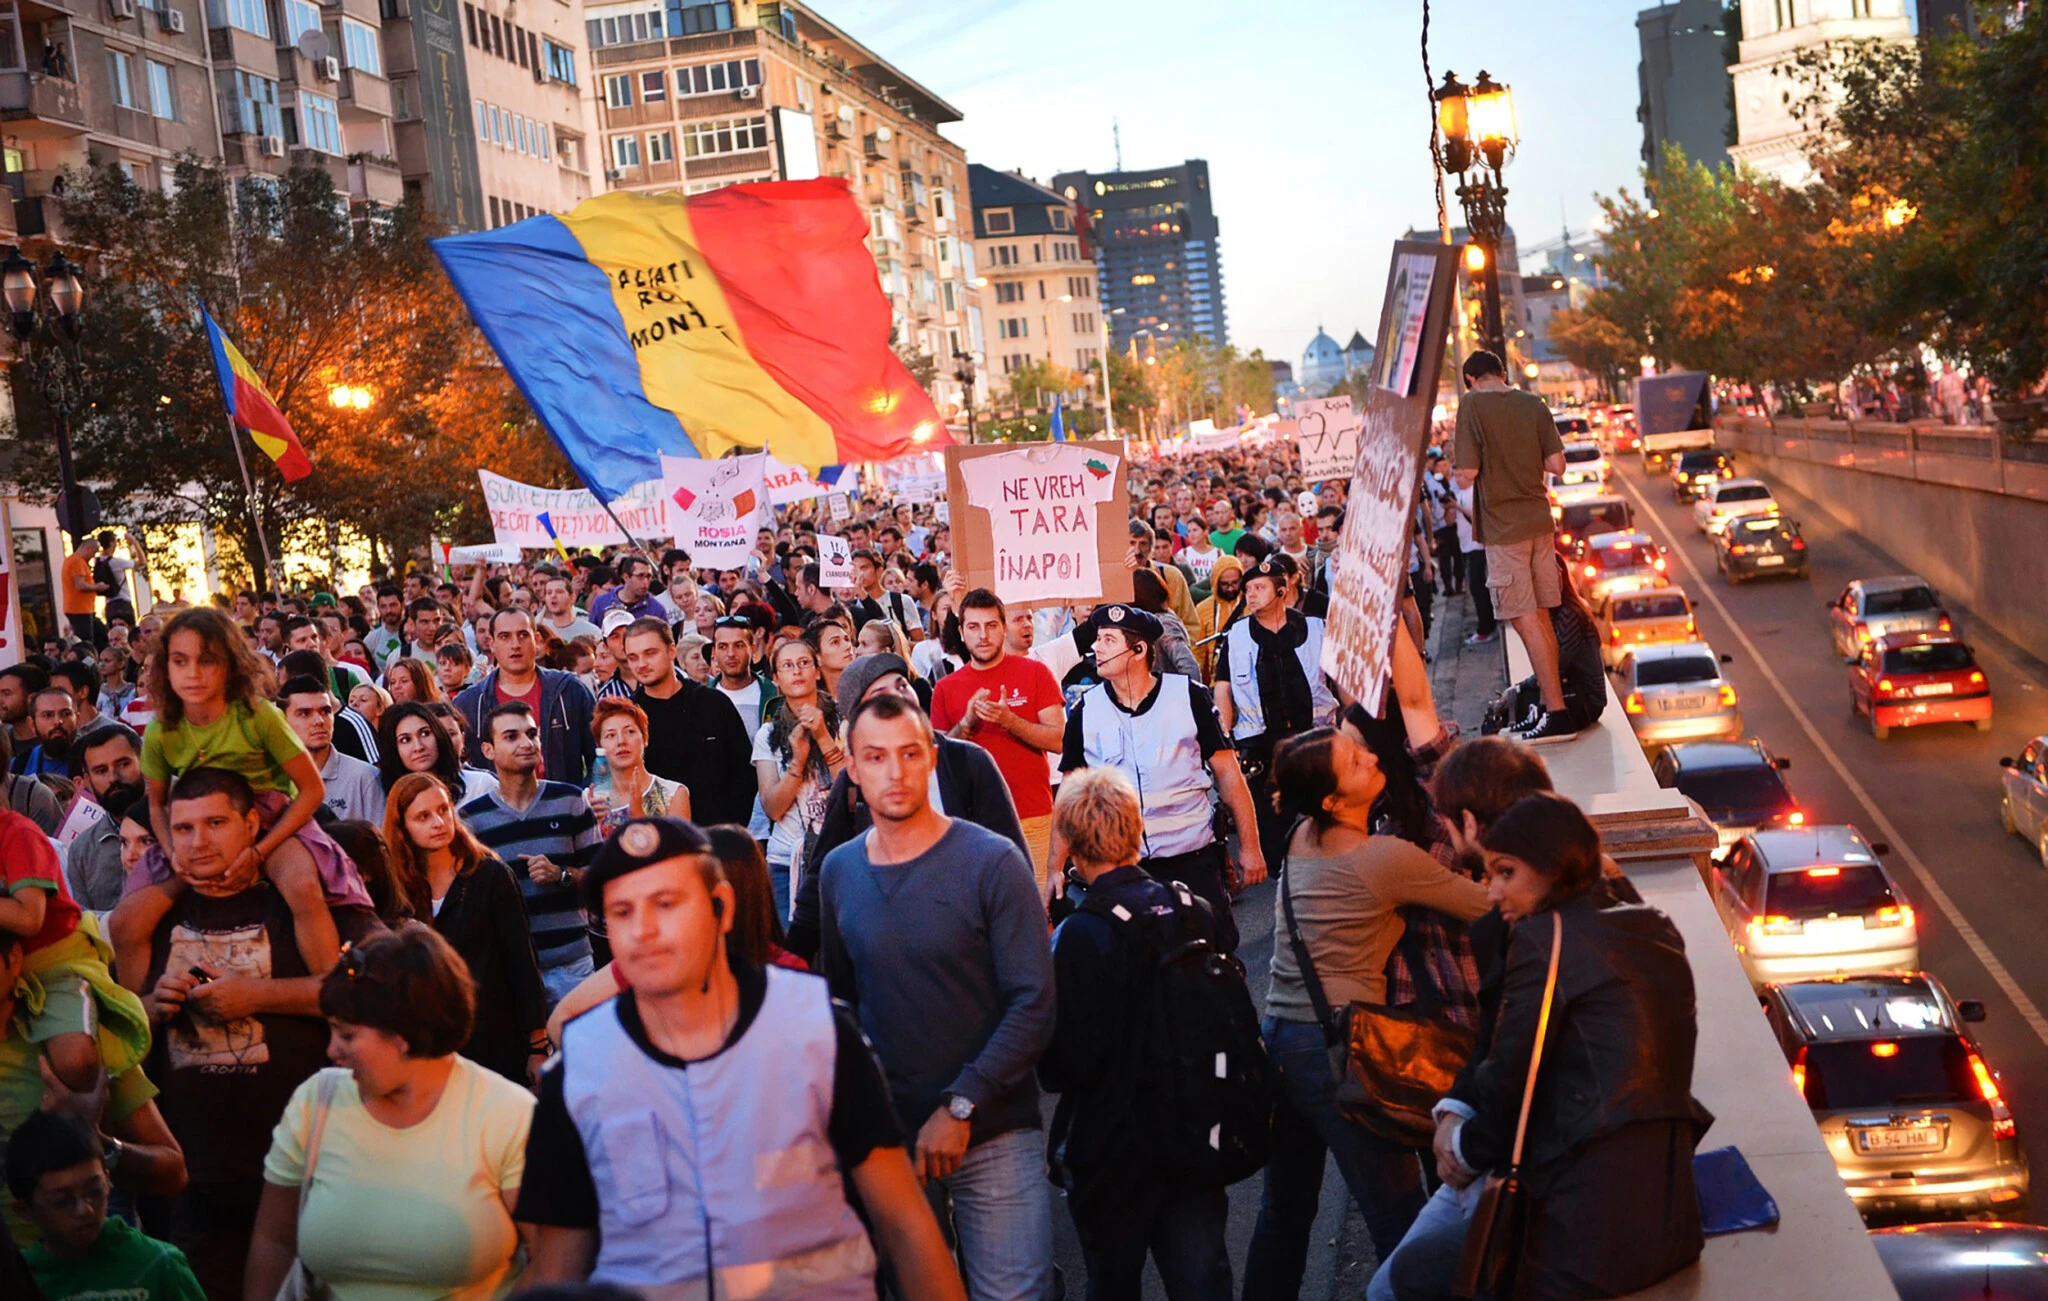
(270, 576)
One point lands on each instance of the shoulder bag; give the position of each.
(1493, 1240)
(301, 1284)
(1392, 1064)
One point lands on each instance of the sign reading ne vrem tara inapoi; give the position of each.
(1042, 524)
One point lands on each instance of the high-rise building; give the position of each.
(1040, 295)
(693, 96)
(1683, 82)
(1161, 268)
(1769, 137)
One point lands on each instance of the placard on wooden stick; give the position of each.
(1380, 511)
(1042, 523)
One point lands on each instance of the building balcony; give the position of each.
(753, 160)
(738, 38)
(378, 181)
(338, 169)
(639, 114)
(38, 107)
(40, 216)
(364, 95)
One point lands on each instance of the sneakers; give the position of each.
(1544, 727)
(1483, 638)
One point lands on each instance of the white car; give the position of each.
(1807, 902)
(1583, 463)
(1726, 501)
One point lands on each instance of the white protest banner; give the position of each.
(489, 553)
(835, 561)
(922, 491)
(84, 814)
(1326, 431)
(1046, 521)
(788, 483)
(942, 511)
(716, 506)
(579, 519)
(837, 506)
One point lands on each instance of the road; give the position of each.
(1932, 792)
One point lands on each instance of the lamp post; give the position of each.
(964, 372)
(59, 371)
(1479, 139)
(1108, 419)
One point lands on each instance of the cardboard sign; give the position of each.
(1326, 432)
(83, 816)
(579, 519)
(716, 507)
(1369, 563)
(835, 561)
(1042, 523)
(837, 506)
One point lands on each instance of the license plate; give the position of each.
(1684, 704)
(1935, 689)
(1770, 560)
(1901, 1138)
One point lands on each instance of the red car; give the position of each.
(1909, 678)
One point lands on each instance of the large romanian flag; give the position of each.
(251, 407)
(749, 317)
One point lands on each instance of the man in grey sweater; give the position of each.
(932, 929)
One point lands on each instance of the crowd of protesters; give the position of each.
(456, 934)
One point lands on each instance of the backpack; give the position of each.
(1202, 1087)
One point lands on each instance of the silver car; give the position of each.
(1870, 608)
(1674, 692)
(2023, 796)
(1813, 901)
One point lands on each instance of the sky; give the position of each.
(1314, 119)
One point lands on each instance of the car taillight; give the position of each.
(1824, 873)
(1799, 544)
(1592, 571)
(1799, 1073)
(2002, 1124)
(1727, 694)
(1976, 678)
(1795, 819)
(1884, 685)
(1614, 635)
(1565, 538)
(1884, 1048)
(1773, 924)
(1633, 702)
(1738, 549)
(1944, 625)
(1691, 626)
(1658, 564)
(1862, 634)
(1894, 914)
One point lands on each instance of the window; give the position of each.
(360, 47)
(1014, 327)
(319, 123)
(300, 17)
(1010, 293)
(402, 109)
(998, 221)
(522, 136)
(496, 219)
(469, 21)
(724, 136)
(642, 24)
(122, 88)
(653, 87)
(167, 179)
(163, 102)
(718, 78)
(497, 125)
(625, 151)
(1061, 219)
(618, 91)
(947, 295)
(483, 121)
(496, 41)
(661, 147)
(524, 51)
(251, 16)
(560, 62)
(694, 20)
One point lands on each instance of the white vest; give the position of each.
(1244, 679)
(1159, 752)
(730, 1152)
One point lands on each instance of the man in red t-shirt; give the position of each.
(1010, 706)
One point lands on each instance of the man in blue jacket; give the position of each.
(560, 702)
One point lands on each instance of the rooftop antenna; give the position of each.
(1116, 134)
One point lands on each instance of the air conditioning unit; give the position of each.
(750, 92)
(270, 146)
(171, 20)
(330, 69)
(120, 9)
(540, 73)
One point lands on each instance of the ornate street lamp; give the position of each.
(964, 372)
(1479, 139)
(58, 373)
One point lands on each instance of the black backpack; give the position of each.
(1202, 1088)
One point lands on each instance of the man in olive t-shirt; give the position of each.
(1506, 441)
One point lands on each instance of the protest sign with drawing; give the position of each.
(1369, 563)
(835, 561)
(1042, 524)
(1326, 432)
(716, 506)
(579, 519)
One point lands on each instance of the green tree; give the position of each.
(1595, 345)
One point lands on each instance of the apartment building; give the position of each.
(1040, 273)
(693, 96)
(534, 117)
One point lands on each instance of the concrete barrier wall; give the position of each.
(1984, 544)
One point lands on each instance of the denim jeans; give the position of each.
(1428, 1255)
(1384, 1177)
(778, 885)
(1182, 1228)
(996, 1210)
(560, 980)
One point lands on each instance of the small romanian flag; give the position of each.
(251, 407)
(554, 537)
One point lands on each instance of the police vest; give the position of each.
(730, 1153)
(1159, 752)
(1244, 679)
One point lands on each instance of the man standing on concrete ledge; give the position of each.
(1506, 442)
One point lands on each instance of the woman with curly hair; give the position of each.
(796, 756)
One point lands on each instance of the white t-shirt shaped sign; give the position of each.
(1046, 522)
(716, 507)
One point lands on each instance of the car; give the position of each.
(1962, 1261)
(2023, 795)
(1808, 901)
(1738, 784)
(1868, 608)
(1907, 1105)
(1674, 692)
(1620, 562)
(1627, 620)
(1910, 679)
(1727, 500)
(1571, 425)
(1623, 435)
(1563, 495)
(1583, 463)
(1756, 545)
(1692, 473)
(1580, 519)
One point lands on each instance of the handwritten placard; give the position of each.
(1042, 524)
(716, 507)
(835, 561)
(1326, 432)
(580, 520)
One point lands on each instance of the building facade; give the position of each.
(1769, 137)
(531, 115)
(1325, 363)
(693, 96)
(1683, 82)
(1160, 264)
(1040, 291)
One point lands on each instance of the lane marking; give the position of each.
(2028, 1011)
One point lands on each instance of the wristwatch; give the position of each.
(959, 1108)
(111, 1149)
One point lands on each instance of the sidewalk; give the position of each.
(1465, 679)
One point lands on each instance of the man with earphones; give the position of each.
(1161, 731)
(694, 1135)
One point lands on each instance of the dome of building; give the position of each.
(1322, 364)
